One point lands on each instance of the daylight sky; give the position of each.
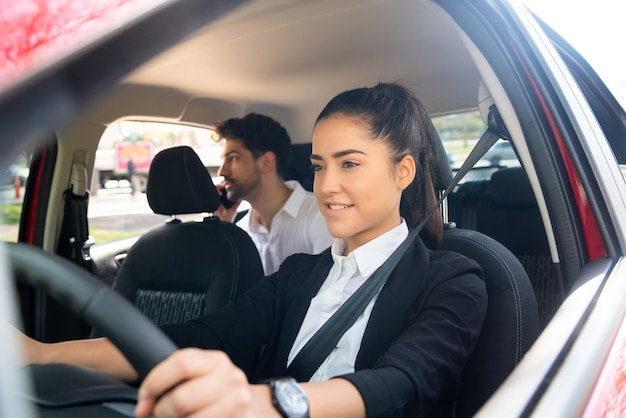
(597, 29)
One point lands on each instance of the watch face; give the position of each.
(291, 398)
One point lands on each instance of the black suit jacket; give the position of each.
(421, 331)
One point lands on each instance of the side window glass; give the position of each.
(596, 73)
(460, 132)
(118, 207)
(12, 188)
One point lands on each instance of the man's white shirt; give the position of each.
(298, 227)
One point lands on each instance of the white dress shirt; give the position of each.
(347, 274)
(298, 227)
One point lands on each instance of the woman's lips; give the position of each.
(334, 209)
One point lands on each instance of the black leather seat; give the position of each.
(504, 208)
(511, 324)
(507, 211)
(181, 270)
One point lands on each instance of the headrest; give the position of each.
(442, 173)
(510, 188)
(300, 165)
(178, 183)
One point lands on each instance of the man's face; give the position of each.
(239, 169)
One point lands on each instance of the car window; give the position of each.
(12, 188)
(118, 207)
(460, 132)
(606, 108)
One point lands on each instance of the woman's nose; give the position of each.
(326, 181)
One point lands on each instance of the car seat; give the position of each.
(300, 165)
(181, 270)
(504, 208)
(511, 323)
(507, 211)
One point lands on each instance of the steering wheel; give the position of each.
(142, 342)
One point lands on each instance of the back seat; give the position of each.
(504, 208)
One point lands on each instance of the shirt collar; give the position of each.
(291, 207)
(373, 254)
(293, 204)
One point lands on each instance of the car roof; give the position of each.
(290, 53)
(287, 58)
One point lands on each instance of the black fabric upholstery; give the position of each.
(181, 270)
(215, 259)
(511, 324)
(169, 307)
(178, 183)
(463, 201)
(510, 188)
(510, 213)
(504, 207)
(548, 285)
(300, 165)
(507, 211)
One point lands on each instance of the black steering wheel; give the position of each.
(142, 342)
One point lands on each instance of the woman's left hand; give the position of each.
(194, 382)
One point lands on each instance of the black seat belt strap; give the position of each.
(325, 339)
(74, 235)
(75, 230)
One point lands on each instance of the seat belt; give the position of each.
(74, 237)
(324, 341)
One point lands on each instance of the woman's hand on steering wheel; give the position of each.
(201, 382)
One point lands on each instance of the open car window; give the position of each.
(460, 132)
(118, 207)
(13, 182)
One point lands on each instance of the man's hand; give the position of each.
(226, 214)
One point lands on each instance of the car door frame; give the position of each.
(573, 160)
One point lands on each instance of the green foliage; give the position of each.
(106, 235)
(10, 213)
(9, 219)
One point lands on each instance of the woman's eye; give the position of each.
(316, 167)
(349, 164)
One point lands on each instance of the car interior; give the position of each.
(285, 59)
(162, 274)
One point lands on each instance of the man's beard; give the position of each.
(239, 191)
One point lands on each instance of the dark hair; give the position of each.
(259, 134)
(394, 115)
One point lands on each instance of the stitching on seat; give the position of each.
(516, 292)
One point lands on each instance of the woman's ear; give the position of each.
(406, 171)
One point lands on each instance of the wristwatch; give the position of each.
(289, 398)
